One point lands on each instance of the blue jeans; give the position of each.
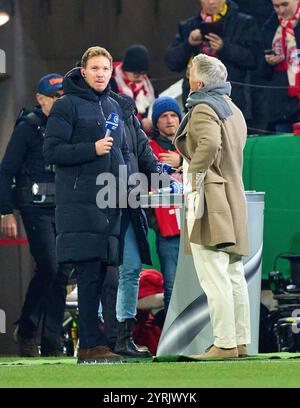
(129, 273)
(168, 250)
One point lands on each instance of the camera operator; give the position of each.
(33, 195)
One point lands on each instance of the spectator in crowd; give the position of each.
(218, 30)
(211, 139)
(259, 9)
(88, 232)
(256, 96)
(281, 35)
(130, 78)
(166, 116)
(34, 197)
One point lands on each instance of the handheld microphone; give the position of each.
(165, 168)
(175, 188)
(111, 124)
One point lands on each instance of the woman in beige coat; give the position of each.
(211, 139)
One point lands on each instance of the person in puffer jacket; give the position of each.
(77, 143)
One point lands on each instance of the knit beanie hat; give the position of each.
(136, 59)
(162, 105)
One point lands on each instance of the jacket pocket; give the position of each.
(215, 197)
(82, 218)
(213, 178)
(78, 174)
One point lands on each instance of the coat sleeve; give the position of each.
(12, 163)
(205, 130)
(148, 162)
(266, 70)
(58, 148)
(179, 52)
(125, 153)
(245, 53)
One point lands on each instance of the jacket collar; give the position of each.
(74, 84)
(126, 103)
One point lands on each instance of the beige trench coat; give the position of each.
(216, 147)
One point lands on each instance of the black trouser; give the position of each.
(46, 294)
(109, 300)
(90, 279)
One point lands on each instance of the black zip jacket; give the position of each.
(142, 159)
(240, 52)
(76, 122)
(23, 160)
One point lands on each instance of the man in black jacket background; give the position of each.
(135, 244)
(34, 195)
(218, 30)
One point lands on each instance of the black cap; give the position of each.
(136, 59)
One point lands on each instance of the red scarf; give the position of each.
(142, 92)
(284, 43)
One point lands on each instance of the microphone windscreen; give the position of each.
(112, 122)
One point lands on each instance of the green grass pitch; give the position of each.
(27, 373)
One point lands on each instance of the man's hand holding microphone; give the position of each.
(104, 146)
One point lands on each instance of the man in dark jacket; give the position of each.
(281, 36)
(78, 144)
(135, 246)
(256, 95)
(221, 31)
(259, 9)
(24, 161)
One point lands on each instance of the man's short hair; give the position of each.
(209, 70)
(95, 52)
